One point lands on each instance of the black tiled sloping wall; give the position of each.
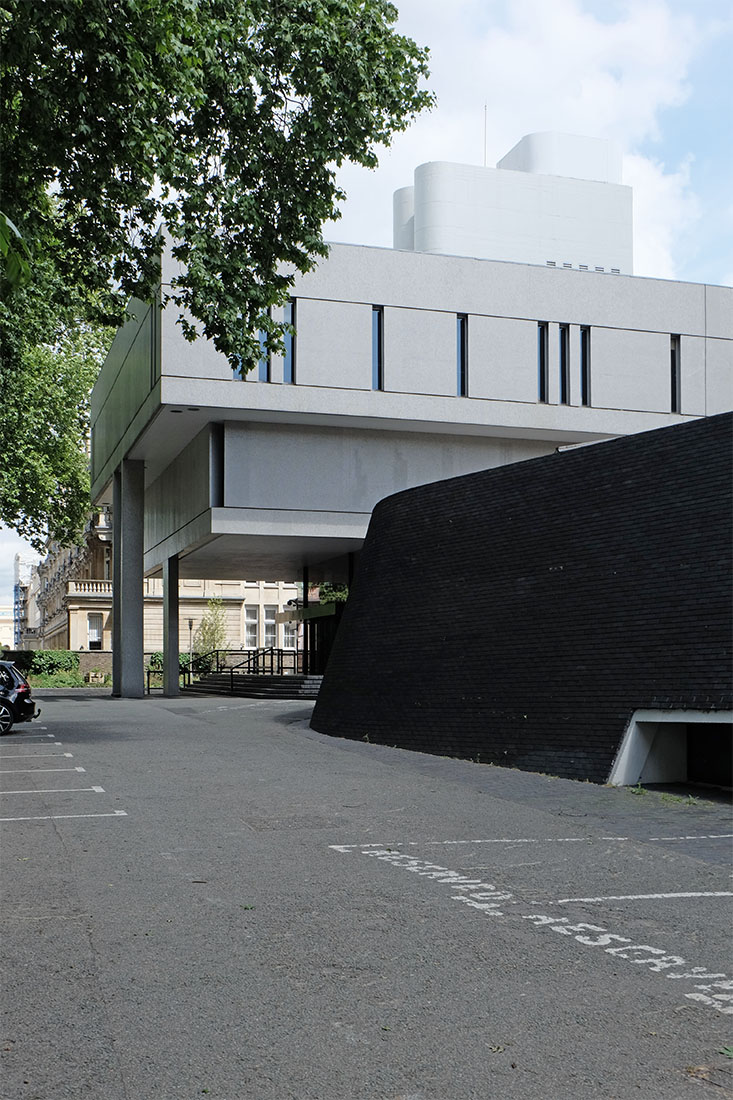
(519, 616)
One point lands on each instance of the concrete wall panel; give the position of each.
(334, 344)
(465, 285)
(369, 465)
(630, 370)
(180, 494)
(719, 375)
(502, 359)
(692, 375)
(183, 359)
(719, 311)
(123, 385)
(419, 351)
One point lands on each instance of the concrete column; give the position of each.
(116, 582)
(306, 640)
(127, 667)
(171, 683)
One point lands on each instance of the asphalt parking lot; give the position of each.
(203, 897)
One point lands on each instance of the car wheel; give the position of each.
(6, 718)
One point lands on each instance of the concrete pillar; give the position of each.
(306, 639)
(116, 582)
(171, 684)
(127, 631)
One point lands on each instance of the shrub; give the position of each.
(57, 679)
(50, 661)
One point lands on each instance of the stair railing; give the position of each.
(266, 661)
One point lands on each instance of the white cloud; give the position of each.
(665, 209)
(543, 66)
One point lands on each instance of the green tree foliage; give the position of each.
(333, 593)
(224, 120)
(14, 252)
(49, 358)
(212, 630)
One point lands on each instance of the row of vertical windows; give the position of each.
(269, 615)
(543, 388)
(543, 331)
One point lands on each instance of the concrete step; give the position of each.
(256, 687)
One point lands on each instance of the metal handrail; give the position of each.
(269, 660)
(266, 661)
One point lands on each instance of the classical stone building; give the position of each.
(68, 598)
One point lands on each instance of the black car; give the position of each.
(16, 701)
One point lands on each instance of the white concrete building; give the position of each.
(406, 367)
(554, 199)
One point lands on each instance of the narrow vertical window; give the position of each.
(251, 626)
(564, 364)
(585, 365)
(462, 355)
(94, 630)
(289, 361)
(263, 366)
(674, 373)
(542, 361)
(270, 626)
(377, 348)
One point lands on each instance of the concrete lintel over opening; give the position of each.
(655, 746)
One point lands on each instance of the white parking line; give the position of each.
(644, 897)
(528, 840)
(33, 771)
(64, 817)
(57, 790)
(56, 743)
(35, 755)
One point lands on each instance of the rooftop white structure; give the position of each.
(554, 199)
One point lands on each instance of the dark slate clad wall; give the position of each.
(520, 615)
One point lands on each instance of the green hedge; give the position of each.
(54, 660)
(46, 661)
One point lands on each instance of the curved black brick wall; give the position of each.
(521, 615)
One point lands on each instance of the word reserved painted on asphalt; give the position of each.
(712, 989)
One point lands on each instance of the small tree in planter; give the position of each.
(212, 630)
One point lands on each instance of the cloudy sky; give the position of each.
(653, 75)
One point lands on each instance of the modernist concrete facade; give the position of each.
(570, 614)
(405, 368)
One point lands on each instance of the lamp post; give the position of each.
(190, 642)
